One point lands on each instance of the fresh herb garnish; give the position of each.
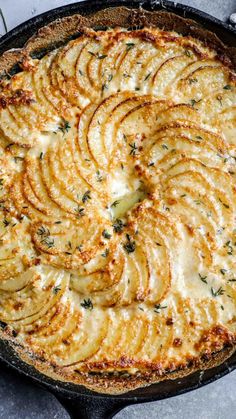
(130, 245)
(18, 158)
(227, 87)
(164, 146)
(86, 196)
(87, 304)
(158, 308)
(203, 278)
(225, 205)
(218, 292)
(133, 150)
(223, 271)
(6, 223)
(56, 290)
(193, 102)
(129, 46)
(48, 241)
(115, 203)
(188, 53)
(106, 234)
(99, 176)
(229, 247)
(151, 164)
(41, 156)
(118, 225)
(147, 76)
(105, 253)
(64, 127)
(43, 231)
(193, 80)
(79, 211)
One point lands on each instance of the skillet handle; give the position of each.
(92, 408)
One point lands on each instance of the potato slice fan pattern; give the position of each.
(118, 204)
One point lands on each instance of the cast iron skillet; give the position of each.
(78, 401)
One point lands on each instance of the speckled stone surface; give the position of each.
(20, 399)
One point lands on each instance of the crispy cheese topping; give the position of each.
(118, 203)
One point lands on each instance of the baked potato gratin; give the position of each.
(118, 204)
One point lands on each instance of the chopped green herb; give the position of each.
(99, 176)
(48, 241)
(65, 126)
(81, 72)
(188, 53)
(227, 87)
(118, 225)
(199, 137)
(6, 223)
(87, 304)
(222, 307)
(18, 158)
(129, 46)
(225, 205)
(58, 222)
(193, 80)
(130, 245)
(105, 253)
(164, 146)
(193, 102)
(147, 76)
(101, 56)
(56, 290)
(106, 234)
(127, 76)
(133, 150)
(41, 156)
(104, 87)
(223, 271)
(158, 308)
(229, 247)
(43, 231)
(151, 164)
(86, 196)
(137, 88)
(79, 211)
(183, 195)
(203, 278)
(218, 292)
(115, 203)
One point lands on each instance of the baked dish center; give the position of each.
(117, 206)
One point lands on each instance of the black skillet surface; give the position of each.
(80, 402)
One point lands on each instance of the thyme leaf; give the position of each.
(130, 245)
(87, 304)
(86, 196)
(218, 292)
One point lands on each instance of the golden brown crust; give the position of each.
(47, 38)
(59, 31)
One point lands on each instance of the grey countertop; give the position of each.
(22, 400)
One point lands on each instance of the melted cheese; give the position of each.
(118, 201)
